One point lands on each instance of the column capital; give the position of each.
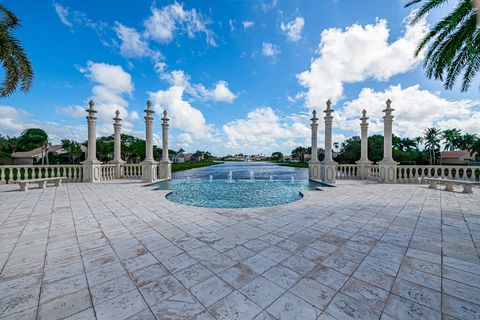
(388, 110)
(328, 111)
(149, 112)
(90, 110)
(117, 119)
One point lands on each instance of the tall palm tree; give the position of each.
(453, 44)
(432, 142)
(452, 139)
(17, 67)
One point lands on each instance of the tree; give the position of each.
(73, 149)
(105, 148)
(298, 152)
(452, 139)
(34, 138)
(467, 141)
(17, 67)
(277, 155)
(453, 44)
(432, 142)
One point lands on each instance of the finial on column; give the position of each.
(388, 110)
(364, 115)
(329, 103)
(117, 113)
(149, 104)
(91, 104)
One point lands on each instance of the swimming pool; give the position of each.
(238, 185)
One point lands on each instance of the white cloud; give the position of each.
(14, 120)
(415, 110)
(162, 25)
(183, 115)
(248, 24)
(63, 13)
(270, 50)
(111, 87)
(220, 93)
(264, 131)
(132, 44)
(268, 5)
(293, 29)
(72, 111)
(359, 53)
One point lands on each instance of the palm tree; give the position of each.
(432, 142)
(467, 141)
(453, 44)
(17, 66)
(452, 139)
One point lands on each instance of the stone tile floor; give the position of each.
(119, 250)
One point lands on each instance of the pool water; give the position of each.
(271, 185)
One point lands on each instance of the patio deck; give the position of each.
(118, 250)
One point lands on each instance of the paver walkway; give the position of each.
(122, 251)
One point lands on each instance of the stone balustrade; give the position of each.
(416, 174)
(107, 172)
(373, 172)
(72, 172)
(347, 171)
(131, 171)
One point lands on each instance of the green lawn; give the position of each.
(191, 165)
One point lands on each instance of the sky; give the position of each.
(235, 76)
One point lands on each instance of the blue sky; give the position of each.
(235, 76)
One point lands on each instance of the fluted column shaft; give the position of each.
(364, 136)
(387, 133)
(328, 133)
(314, 151)
(165, 126)
(117, 128)
(148, 134)
(92, 132)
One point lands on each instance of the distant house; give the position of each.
(29, 157)
(457, 157)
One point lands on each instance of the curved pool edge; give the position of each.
(301, 199)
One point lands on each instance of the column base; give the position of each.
(388, 171)
(118, 168)
(149, 171)
(328, 172)
(91, 171)
(314, 170)
(363, 168)
(165, 170)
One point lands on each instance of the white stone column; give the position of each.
(91, 166)
(165, 165)
(364, 163)
(328, 166)
(149, 165)
(314, 164)
(117, 146)
(388, 167)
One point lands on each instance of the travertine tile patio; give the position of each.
(120, 250)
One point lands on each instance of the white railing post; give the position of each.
(364, 163)
(165, 165)
(117, 145)
(149, 165)
(314, 164)
(328, 170)
(91, 166)
(388, 167)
